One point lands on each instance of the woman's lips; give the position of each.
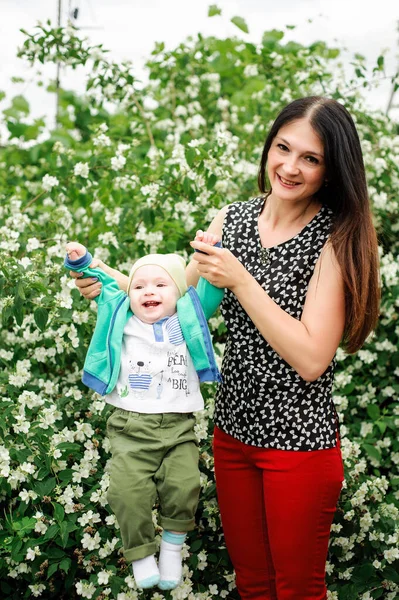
(287, 182)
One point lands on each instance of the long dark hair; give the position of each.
(353, 235)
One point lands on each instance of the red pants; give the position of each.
(277, 507)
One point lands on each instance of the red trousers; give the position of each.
(277, 507)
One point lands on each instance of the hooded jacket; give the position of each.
(103, 358)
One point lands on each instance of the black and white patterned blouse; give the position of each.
(262, 400)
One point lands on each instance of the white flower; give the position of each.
(32, 553)
(213, 589)
(102, 141)
(103, 577)
(25, 262)
(251, 71)
(48, 182)
(91, 543)
(33, 244)
(391, 555)
(81, 169)
(85, 589)
(37, 589)
(118, 162)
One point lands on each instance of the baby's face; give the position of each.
(153, 294)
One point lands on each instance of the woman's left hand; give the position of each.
(218, 265)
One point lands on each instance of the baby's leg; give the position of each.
(178, 485)
(136, 455)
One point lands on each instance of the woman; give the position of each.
(300, 266)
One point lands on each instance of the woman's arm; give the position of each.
(216, 228)
(307, 345)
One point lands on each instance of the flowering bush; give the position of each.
(135, 168)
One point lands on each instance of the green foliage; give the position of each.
(134, 168)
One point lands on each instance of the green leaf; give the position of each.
(51, 532)
(372, 452)
(240, 23)
(59, 512)
(15, 548)
(148, 217)
(18, 312)
(380, 62)
(20, 104)
(26, 525)
(116, 584)
(214, 10)
(52, 569)
(44, 488)
(272, 37)
(210, 184)
(381, 426)
(68, 446)
(64, 533)
(391, 574)
(196, 545)
(190, 156)
(41, 317)
(373, 412)
(66, 475)
(65, 564)
(54, 552)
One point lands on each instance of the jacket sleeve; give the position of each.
(109, 288)
(209, 296)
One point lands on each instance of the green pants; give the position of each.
(152, 455)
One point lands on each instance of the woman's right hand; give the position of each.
(89, 287)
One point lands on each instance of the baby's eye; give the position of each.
(138, 287)
(160, 285)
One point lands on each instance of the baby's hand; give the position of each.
(75, 250)
(206, 237)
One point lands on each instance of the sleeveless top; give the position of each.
(262, 401)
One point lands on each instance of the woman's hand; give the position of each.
(89, 287)
(219, 266)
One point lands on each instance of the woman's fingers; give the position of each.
(89, 287)
(205, 248)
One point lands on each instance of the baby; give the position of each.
(150, 349)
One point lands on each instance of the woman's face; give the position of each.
(295, 162)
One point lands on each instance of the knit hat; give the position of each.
(173, 264)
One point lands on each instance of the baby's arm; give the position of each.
(209, 295)
(80, 260)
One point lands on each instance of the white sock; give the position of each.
(170, 560)
(146, 572)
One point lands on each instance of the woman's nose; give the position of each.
(291, 165)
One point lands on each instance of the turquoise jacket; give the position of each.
(103, 359)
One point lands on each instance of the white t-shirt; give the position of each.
(157, 374)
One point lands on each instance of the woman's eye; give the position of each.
(312, 159)
(282, 147)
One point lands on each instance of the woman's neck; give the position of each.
(278, 214)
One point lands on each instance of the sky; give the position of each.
(130, 28)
